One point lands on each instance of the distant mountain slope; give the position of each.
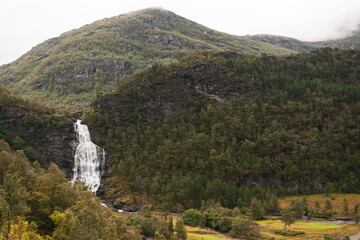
(285, 42)
(350, 42)
(69, 70)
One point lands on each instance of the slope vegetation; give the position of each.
(207, 126)
(69, 70)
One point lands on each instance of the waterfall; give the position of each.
(89, 159)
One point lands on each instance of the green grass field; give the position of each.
(312, 230)
(196, 233)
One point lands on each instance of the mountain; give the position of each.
(350, 42)
(215, 124)
(69, 70)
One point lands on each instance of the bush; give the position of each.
(244, 228)
(180, 230)
(31, 155)
(327, 237)
(357, 218)
(18, 143)
(225, 224)
(289, 233)
(191, 217)
(149, 226)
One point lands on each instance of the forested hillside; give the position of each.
(38, 203)
(214, 123)
(69, 70)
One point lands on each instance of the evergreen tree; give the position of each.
(256, 209)
(180, 230)
(345, 207)
(328, 206)
(171, 224)
(297, 208)
(357, 218)
(305, 206)
(317, 206)
(357, 208)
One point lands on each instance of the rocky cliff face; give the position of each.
(52, 144)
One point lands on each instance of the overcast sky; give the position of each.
(26, 23)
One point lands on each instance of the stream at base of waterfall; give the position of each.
(89, 159)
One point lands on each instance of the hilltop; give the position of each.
(69, 70)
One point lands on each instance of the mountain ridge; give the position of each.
(69, 70)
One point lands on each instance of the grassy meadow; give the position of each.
(312, 230)
(196, 233)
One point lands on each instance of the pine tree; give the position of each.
(317, 206)
(171, 225)
(256, 209)
(305, 206)
(328, 205)
(180, 230)
(346, 207)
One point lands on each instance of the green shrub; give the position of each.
(289, 233)
(357, 218)
(18, 143)
(244, 228)
(31, 154)
(225, 224)
(191, 217)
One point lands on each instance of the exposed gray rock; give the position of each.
(53, 145)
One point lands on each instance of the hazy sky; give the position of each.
(26, 23)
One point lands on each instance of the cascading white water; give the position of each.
(89, 159)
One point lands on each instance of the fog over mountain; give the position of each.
(24, 24)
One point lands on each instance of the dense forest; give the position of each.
(215, 124)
